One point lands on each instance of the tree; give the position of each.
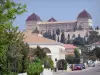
(62, 37)
(93, 37)
(68, 41)
(58, 33)
(54, 35)
(93, 58)
(36, 30)
(97, 52)
(8, 12)
(62, 64)
(48, 63)
(45, 35)
(49, 35)
(77, 56)
(39, 53)
(35, 68)
(79, 41)
(70, 59)
(25, 61)
(97, 28)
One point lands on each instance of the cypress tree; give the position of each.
(54, 35)
(62, 37)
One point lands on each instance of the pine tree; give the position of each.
(54, 35)
(36, 30)
(58, 33)
(97, 28)
(62, 37)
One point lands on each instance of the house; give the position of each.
(69, 49)
(53, 49)
(92, 46)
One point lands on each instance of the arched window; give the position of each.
(47, 50)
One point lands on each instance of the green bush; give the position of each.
(35, 68)
(48, 63)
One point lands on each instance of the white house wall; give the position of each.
(55, 51)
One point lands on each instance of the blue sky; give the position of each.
(61, 10)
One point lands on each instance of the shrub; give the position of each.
(35, 68)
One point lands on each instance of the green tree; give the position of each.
(97, 52)
(39, 53)
(54, 35)
(62, 64)
(62, 37)
(93, 37)
(36, 30)
(45, 35)
(35, 68)
(58, 33)
(70, 59)
(8, 12)
(49, 35)
(68, 41)
(97, 28)
(77, 56)
(48, 63)
(79, 41)
(25, 61)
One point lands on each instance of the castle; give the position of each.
(83, 22)
(80, 26)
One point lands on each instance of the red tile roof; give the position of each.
(33, 17)
(33, 38)
(70, 46)
(52, 20)
(84, 14)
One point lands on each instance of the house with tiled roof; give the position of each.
(69, 49)
(53, 49)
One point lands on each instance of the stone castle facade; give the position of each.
(80, 26)
(83, 22)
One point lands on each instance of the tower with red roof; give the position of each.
(31, 22)
(84, 20)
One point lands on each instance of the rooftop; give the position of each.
(70, 46)
(52, 20)
(84, 14)
(33, 17)
(34, 38)
(58, 22)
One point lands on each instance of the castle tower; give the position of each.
(84, 20)
(31, 22)
(52, 20)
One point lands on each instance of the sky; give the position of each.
(61, 10)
